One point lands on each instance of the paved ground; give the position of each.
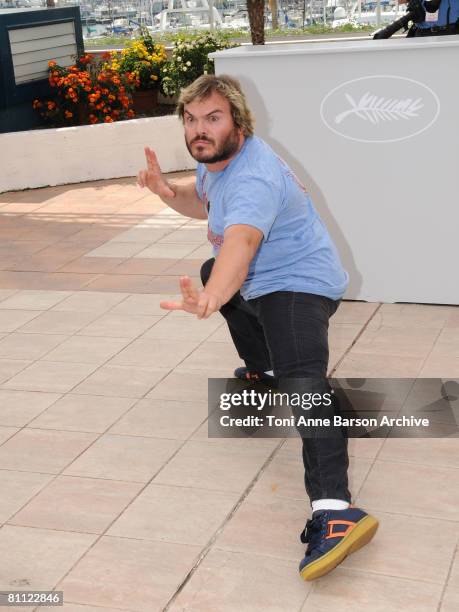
(111, 490)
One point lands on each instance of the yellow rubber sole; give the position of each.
(362, 533)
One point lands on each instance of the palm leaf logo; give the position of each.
(375, 109)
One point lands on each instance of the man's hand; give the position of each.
(153, 178)
(200, 303)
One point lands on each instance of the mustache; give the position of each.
(201, 139)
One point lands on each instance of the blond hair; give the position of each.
(228, 88)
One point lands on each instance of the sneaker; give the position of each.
(331, 536)
(252, 376)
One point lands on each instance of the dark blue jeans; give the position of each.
(287, 332)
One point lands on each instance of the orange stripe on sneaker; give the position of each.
(339, 534)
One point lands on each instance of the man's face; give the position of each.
(210, 133)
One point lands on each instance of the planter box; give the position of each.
(40, 158)
(384, 181)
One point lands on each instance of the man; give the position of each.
(276, 278)
(435, 17)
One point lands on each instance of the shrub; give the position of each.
(190, 60)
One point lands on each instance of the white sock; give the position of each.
(270, 372)
(329, 504)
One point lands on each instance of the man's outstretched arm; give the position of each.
(229, 272)
(182, 198)
(231, 266)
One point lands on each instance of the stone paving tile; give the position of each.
(149, 267)
(10, 367)
(182, 385)
(267, 528)
(89, 413)
(166, 250)
(454, 577)
(170, 284)
(203, 253)
(174, 514)
(129, 458)
(354, 313)
(192, 329)
(185, 267)
(121, 381)
(6, 433)
(6, 293)
(21, 280)
(227, 581)
(212, 355)
(38, 558)
(450, 602)
(87, 349)
(57, 322)
(118, 249)
(129, 283)
(68, 503)
(17, 489)
(37, 450)
(50, 376)
(368, 365)
(20, 407)
(90, 301)
(73, 607)
(404, 316)
(144, 304)
(392, 551)
(34, 300)
(162, 419)
(215, 466)
(142, 234)
(440, 367)
(441, 452)
(222, 334)
(29, 346)
(11, 320)
(92, 265)
(119, 326)
(153, 351)
(400, 342)
(129, 574)
(57, 280)
(186, 234)
(400, 487)
(370, 592)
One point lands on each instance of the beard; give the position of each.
(222, 152)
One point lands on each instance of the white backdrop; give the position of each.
(371, 127)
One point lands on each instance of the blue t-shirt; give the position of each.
(257, 188)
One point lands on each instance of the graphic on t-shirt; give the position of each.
(215, 240)
(289, 172)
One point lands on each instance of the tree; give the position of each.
(273, 7)
(256, 11)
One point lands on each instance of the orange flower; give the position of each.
(52, 63)
(68, 114)
(108, 119)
